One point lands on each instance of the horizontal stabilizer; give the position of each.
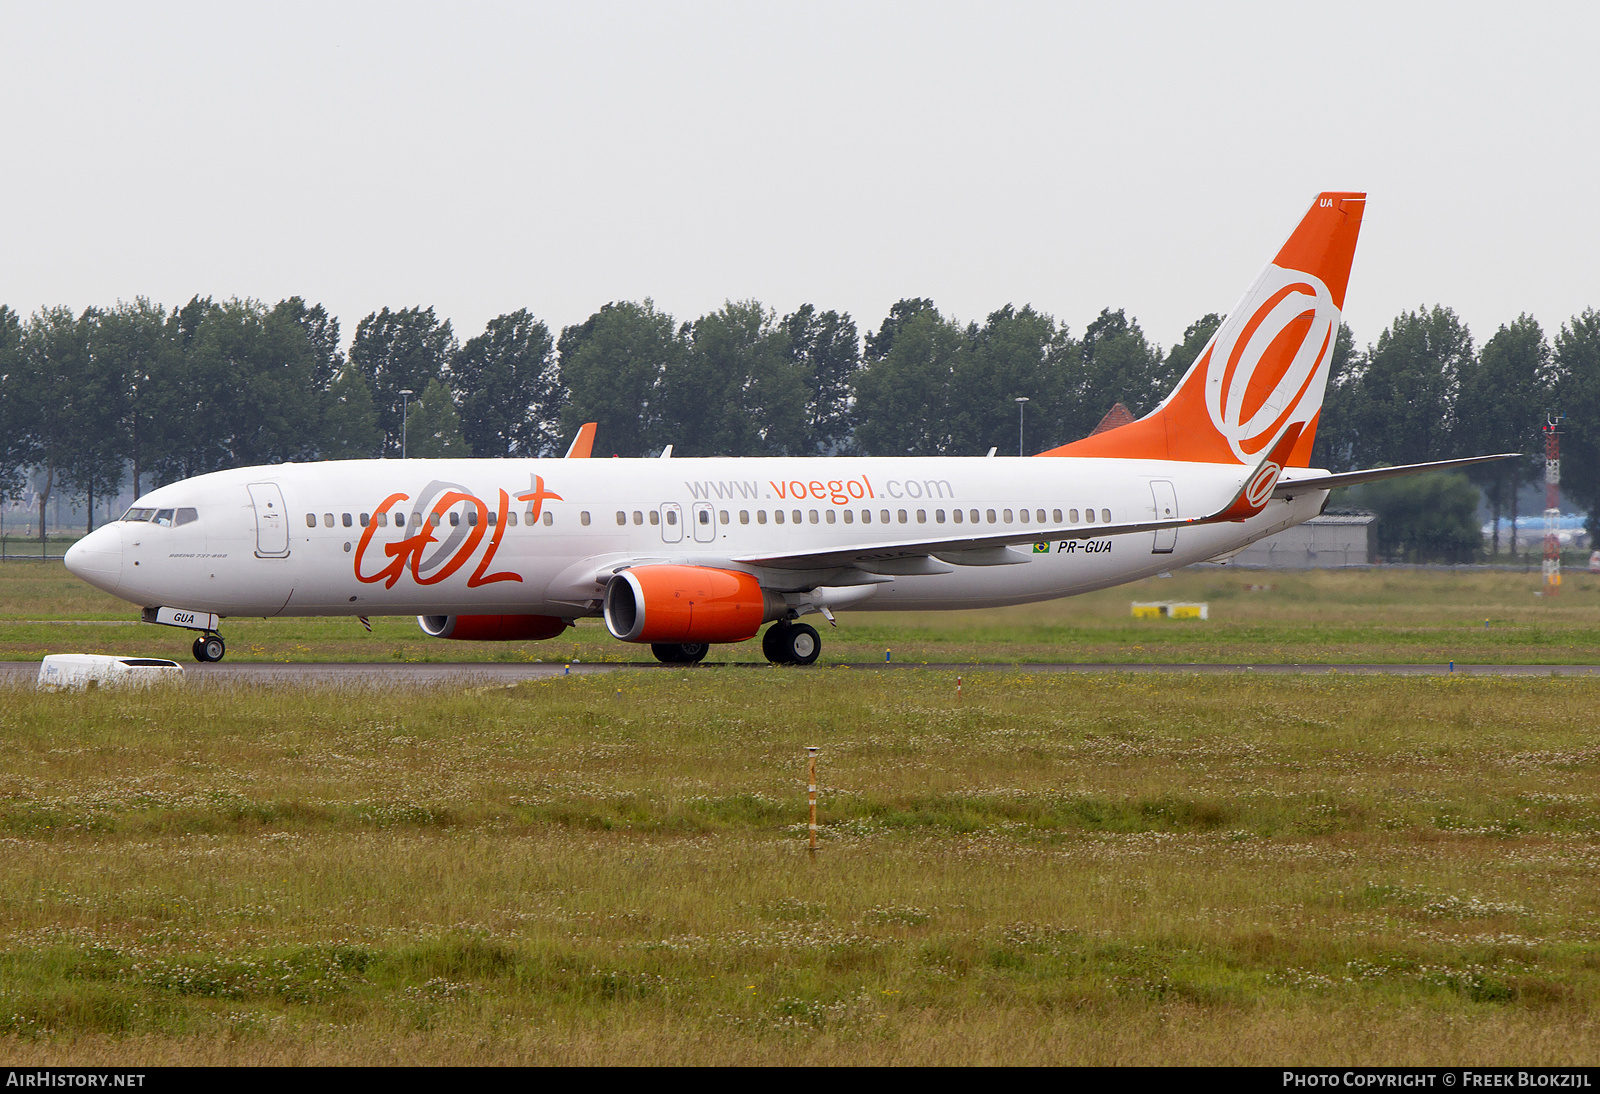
(1302, 481)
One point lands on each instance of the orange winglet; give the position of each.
(1257, 489)
(1267, 365)
(583, 443)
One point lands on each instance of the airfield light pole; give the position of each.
(1552, 506)
(405, 406)
(1022, 401)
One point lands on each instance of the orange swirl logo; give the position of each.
(1260, 370)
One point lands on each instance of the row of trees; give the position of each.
(167, 393)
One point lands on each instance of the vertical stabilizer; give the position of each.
(1265, 370)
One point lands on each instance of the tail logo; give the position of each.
(1259, 488)
(1259, 372)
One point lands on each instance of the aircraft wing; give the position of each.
(917, 556)
(1296, 480)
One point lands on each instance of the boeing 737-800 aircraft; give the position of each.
(684, 553)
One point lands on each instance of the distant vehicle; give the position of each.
(61, 671)
(685, 553)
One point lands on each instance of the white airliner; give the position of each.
(684, 553)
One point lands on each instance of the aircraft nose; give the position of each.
(97, 558)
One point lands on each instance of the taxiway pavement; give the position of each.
(412, 674)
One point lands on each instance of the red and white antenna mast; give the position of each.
(1552, 506)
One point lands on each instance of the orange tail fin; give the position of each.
(1265, 370)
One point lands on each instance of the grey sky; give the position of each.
(482, 158)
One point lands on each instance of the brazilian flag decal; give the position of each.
(1041, 548)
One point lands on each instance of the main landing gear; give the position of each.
(787, 643)
(209, 647)
(680, 653)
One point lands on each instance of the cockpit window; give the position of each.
(185, 516)
(138, 514)
(164, 518)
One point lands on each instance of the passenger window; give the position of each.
(1057, 516)
(455, 519)
(813, 516)
(311, 520)
(494, 519)
(638, 517)
(955, 514)
(472, 517)
(164, 518)
(938, 516)
(1007, 516)
(973, 516)
(549, 519)
(761, 516)
(991, 516)
(185, 516)
(866, 516)
(437, 518)
(883, 516)
(705, 516)
(1088, 516)
(831, 516)
(622, 518)
(1105, 515)
(724, 515)
(327, 520)
(344, 519)
(1072, 516)
(922, 516)
(1024, 515)
(365, 520)
(511, 517)
(583, 518)
(382, 520)
(1040, 515)
(416, 518)
(902, 516)
(796, 515)
(655, 517)
(672, 517)
(777, 516)
(849, 517)
(744, 516)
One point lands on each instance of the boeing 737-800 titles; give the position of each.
(685, 553)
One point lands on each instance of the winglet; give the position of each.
(1257, 489)
(583, 443)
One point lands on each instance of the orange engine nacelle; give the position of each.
(492, 628)
(688, 604)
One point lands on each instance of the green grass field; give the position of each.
(1065, 869)
(1385, 616)
(1098, 868)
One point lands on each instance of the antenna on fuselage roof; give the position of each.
(583, 443)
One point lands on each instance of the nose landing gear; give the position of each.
(209, 647)
(787, 643)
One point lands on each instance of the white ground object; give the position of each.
(61, 671)
(683, 553)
